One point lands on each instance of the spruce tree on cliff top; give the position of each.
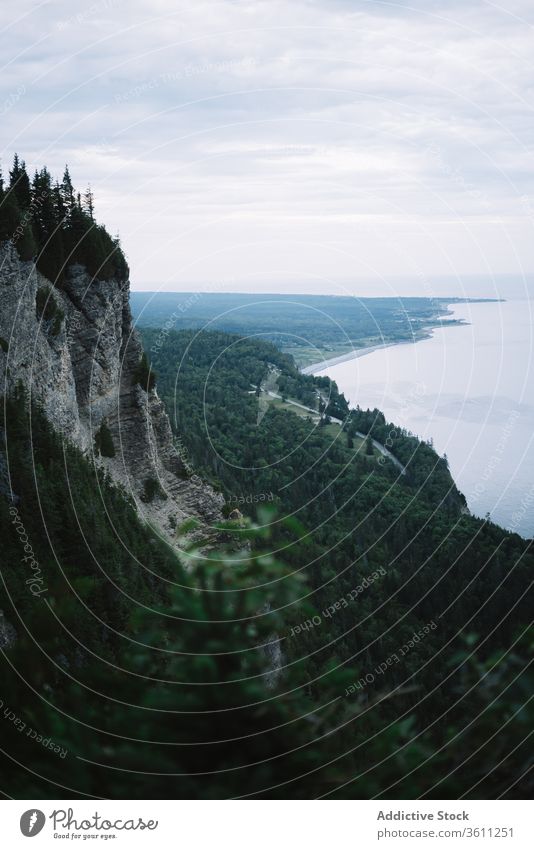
(50, 224)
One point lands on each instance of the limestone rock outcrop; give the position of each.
(76, 353)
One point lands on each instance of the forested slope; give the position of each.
(381, 554)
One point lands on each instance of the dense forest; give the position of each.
(52, 224)
(134, 675)
(382, 554)
(120, 666)
(309, 326)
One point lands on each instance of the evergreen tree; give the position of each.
(104, 441)
(59, 205)
(47, 228)
(52, 224)
(9, 214)
(88, 203)
(44, 217)
(67, 194)
(20, 183)
(25, 239)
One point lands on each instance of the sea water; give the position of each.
(470, 390)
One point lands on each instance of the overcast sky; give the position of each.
(297, 145)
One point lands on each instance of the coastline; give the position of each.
(483, 480)
(343, 358)
(314, 368)
(427, 333)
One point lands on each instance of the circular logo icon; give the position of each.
(32, 822)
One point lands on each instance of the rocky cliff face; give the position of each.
(76, 352)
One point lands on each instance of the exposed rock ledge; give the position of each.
(80, 368)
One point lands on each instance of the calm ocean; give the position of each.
(469, 389)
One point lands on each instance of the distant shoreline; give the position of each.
(350, 355)
(362, 352)
(314, 368)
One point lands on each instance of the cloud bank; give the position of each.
(285, 144)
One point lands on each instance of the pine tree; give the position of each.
(67, 194)
(59, 205)
(47, 228)
(9, 214)
(20, 183)
(44, 217)
(54, 224)
(88, 203)
(26, 244)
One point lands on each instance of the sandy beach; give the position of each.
(315, 368)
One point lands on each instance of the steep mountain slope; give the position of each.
(75, 351)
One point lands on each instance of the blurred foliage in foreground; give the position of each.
(159, 681)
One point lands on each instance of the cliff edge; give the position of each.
(75, 352)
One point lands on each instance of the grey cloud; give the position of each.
(276, 121)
